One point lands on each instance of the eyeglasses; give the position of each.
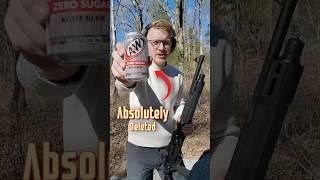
(156, 43)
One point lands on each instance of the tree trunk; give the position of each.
(113, 43)
(190, 47)
(200, 27)
(194, 29)
(185, 43)
(179, 22)
(113, 26)
(122, 19)
(139, 20)
(167, 10)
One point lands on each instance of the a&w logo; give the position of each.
(134, 48)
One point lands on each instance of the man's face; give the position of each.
(159, 45)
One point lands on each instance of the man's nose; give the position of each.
(161, 46)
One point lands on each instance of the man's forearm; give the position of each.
(63, 73)
(32, 78)
(125, 87)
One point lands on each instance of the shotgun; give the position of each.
(274, 92)
(172, 158)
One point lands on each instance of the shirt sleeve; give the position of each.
(180, 102)
(224, 132)
(125, 89)
(31, 78)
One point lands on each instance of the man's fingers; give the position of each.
(122, 64)
(119, 64)
(120, 49)
(118, 59)
(31, 28)
(178, 119)
(37, 9)
(119, 69)
(41, 61)
(117, 74)
(19, 39)
(188, 128)
(116, 56)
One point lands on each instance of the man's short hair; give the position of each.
(163, 25)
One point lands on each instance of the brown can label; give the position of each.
(78, 31)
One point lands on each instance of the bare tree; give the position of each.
(190, 34)
(200, 26)
(132, 10)
(185, 38)
(195, 29)
(113, 26)
(167, 10)
(139, 20)
(122, 19)
(179, 22)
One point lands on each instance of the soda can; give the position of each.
(136, 57)
(78, 31)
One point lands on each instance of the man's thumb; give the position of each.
(120, 49)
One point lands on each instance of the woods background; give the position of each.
(25, 117)
(249, 24)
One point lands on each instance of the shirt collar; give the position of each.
(154, 66)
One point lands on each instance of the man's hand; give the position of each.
(119, 64)
(25, 24)
(187, 129)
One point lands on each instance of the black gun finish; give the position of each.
(275, 91)
(172, 158)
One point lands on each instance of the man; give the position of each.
(145, 148)
(85, 118)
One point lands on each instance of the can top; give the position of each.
(132, 33)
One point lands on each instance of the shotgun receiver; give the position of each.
(172, 158)
(274, 92)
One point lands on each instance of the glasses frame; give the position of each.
(156, 46)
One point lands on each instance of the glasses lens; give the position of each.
(156, 43)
